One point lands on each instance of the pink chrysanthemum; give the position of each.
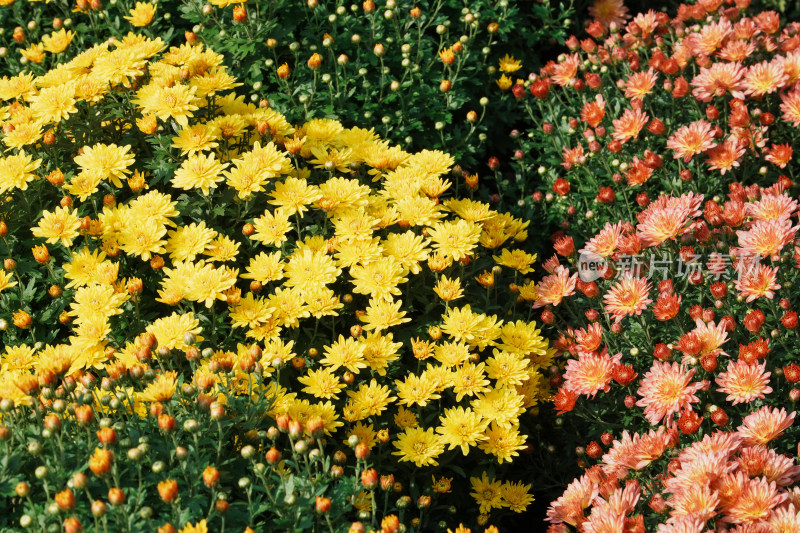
(667, 218)
(629, 125)
(717, 80)
(736, 51)
(564, 72)
(725, 156)
(608, 11)
(569, 507)
(744, 382)
(697, 501)
(604, 243)
(683, 524)
(755, 503)
(640, 84)
(620, 457)
(666, 389)
(711, 36)
(590, 373)
(604, 519)
(771, 206)
(692, 139)
(765, 425)
(790, 105)
(791, 65)
(627, 297)
(757, 281)
(711, 337)
(784, 519)
(764, 78)
(555, 287)
(646, 23)
(719, 442)
(766, 237)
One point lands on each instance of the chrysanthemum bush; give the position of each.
(672, 294)
(645, 104)
(214, 319)
(417, 73)
(681, 360)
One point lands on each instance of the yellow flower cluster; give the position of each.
(342, 234)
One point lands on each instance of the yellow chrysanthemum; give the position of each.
(455, 239)
(171, 331)
(199, 171)
(345, 353)
(519, 260)
(294, 195)
(174, 102)
(509, 64)
(187, 242)
(109, 160)
(142, 14)
(57, 41)
(322, 383)
(461, 428)
(54, 104)
(419, 446)
(60, 225)
(16, 171)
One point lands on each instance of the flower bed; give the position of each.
(221, 320)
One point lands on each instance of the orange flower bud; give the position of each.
(239, 13)
(273, 455)
(107, 436)
(168, 490)
(210, 476)
(22, 489)
(116, 496)
(369, 478)
(84, 414)
(315, 426)
(56, 178)
(283, 71)
(65, 500)
(22, 319)
(72, 525)
(41, 254)
(323, 504)
(99, 508)
(362, 450)
(100, 461)
(315, 61)
(80, 480)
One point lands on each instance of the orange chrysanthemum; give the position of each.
(744, 382)
(693, 139)
(666, 389)
(629, 125)
(628, 297)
